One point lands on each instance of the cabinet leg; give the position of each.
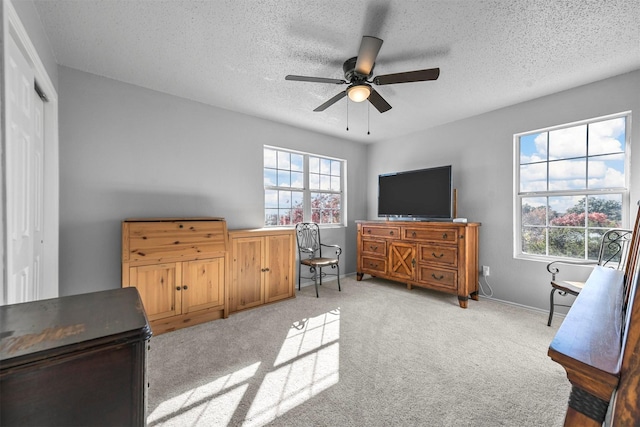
(409, 286)
(359, 276)
(463, 301)
(474, 296)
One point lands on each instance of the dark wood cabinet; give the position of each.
(76, 360)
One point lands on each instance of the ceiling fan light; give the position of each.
(359, 93)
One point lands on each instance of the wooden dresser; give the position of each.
(75, 360)
(179, 266)
(262, 267)
(435, 255)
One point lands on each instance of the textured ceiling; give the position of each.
(234, 54)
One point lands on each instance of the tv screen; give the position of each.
(421, 194)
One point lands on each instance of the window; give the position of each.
(571, 186)
(302, 187)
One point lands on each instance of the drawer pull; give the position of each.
(437, 278)
(185, 287)
(414, 234)
(437, 256)
(372, 265)
(444, 235)
(373, 248)
(369, 230)
(178, 288)
(391, 232)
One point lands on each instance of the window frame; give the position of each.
(520, 195)
(306, 190)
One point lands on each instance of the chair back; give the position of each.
(308, 238)
(614, 248)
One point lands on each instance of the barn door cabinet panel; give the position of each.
(262, 267)
(179, 266)
(437, 255)
(78, 360)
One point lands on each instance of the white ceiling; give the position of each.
(234, 54)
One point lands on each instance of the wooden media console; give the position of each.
(435, 255)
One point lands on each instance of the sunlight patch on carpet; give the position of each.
(216, 400)
(307, 364)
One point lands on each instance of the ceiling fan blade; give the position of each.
(369, 48)
(408, 77)
(332, 101)
(378, 101)
(314, 79)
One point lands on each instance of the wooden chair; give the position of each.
(612, 253)
(310, 254)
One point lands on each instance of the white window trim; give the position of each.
(517, 217)
(306, 191)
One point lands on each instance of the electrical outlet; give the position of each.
(485, 270)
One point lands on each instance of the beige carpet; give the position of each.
(375, 354)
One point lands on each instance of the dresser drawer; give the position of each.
(445, 255)
(157, 241)
(438, 277)
(386, 232)
(449, 235)
(377, 247)
(374, 265)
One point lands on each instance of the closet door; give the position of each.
(24, 179)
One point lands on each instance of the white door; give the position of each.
(38, 195)
(24, 175)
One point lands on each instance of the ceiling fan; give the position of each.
(358, 73)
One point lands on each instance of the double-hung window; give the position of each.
(302, 187)
(571, 186)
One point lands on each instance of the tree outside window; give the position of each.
(302, 187)
(572, 187)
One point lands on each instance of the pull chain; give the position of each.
(368, 110)
(347, 114)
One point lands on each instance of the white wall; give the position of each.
(126, 151)
(481, 152)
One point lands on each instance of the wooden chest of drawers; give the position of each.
(436, 255)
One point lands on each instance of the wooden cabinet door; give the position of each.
(157, 285)
(247, 287)
(279, 263)
(202, 284)
(402, 259)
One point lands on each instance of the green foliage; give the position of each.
(567, 232)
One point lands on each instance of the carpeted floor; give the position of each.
(375, 354)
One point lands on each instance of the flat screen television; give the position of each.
(425, 194)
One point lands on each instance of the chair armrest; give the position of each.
(338, 249)
(553, 269)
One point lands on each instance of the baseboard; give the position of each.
(526, 307)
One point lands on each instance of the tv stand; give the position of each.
(434, 255)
